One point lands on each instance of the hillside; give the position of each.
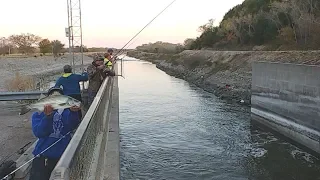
(263, 25)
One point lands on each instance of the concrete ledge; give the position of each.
(112, 159)
(24, 171)
(298, 133)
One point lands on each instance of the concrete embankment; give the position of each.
(285, 97)
(227, 74)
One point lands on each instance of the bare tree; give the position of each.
(207, 26)
(249, 20)
(301, 16)
(57, 47)
(25, 42)
(5, 46)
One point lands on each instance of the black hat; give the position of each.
(54, 89)
(67, 69)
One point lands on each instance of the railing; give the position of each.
(84, 158)
(15, 96)
(32, 95)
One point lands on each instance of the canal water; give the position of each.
(170, 129)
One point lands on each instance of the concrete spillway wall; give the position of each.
(286, 98)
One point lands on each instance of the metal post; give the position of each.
(69, 30)
(82, 66)
(72, 45)
(75, 30)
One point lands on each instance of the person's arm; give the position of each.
(41, 124)
(73, 119)
(83, 77)
(91, 72)
(108, 72)
(58, 83)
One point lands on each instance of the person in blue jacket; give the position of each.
(49, 126)
(70, 82)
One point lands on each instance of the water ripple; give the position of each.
(171, 130)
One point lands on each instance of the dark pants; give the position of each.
(79, 98)
(42, 167)
(91, 96)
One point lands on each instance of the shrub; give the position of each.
(20, 83)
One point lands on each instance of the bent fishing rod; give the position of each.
(122, 49)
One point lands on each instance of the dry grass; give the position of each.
(26, 55)
(20, 83)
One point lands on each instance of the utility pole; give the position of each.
(74, 31)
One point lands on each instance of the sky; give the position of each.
(107, 23)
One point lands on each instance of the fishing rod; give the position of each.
(126, 45)
(144, 27)
(38, 155)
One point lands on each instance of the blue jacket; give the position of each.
(48, 129)
(70, 82)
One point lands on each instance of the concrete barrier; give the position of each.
(286, 98)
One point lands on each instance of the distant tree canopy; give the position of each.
(97, 49)
(45, 46)
(30, 43)
(161, 47)
(286, 23)
(25, 42)
(5, 46)
(57, 47)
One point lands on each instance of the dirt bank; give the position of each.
(15, 130)
(213, 70)
(38, 67)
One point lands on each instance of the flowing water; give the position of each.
(173, 130)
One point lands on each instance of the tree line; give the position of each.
(273, 24)
(29, 43)
(161, 47)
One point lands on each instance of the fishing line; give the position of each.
(122, 49)
(38, 155)
(145, 27)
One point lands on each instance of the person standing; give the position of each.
(70, 82)
(51, 126)
(107, 60)
(96, 75)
